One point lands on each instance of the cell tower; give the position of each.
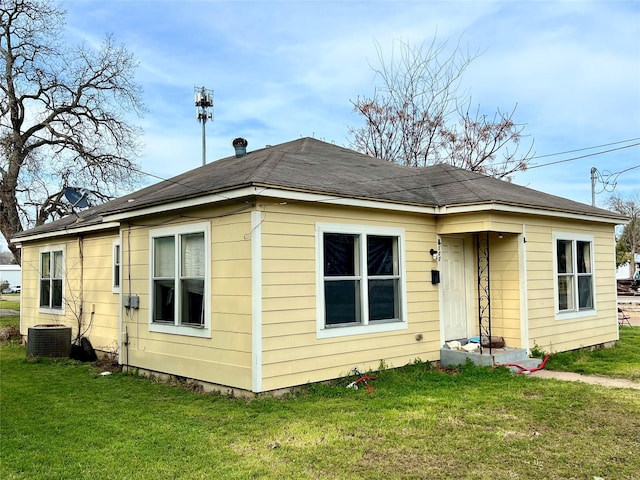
(204, 100)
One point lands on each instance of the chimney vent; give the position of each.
(240, 144)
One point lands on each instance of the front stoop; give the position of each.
(497, 357)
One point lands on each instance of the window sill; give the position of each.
(570, 315)
(346, 330)
(184, 330)
(51, 311)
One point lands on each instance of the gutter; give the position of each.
(63, 232)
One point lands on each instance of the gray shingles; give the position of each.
(310, 165)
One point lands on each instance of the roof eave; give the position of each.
(189, 202)
(272, 191)
(531, 210)
(70, 230)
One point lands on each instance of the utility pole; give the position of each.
(204, 100)
(594, 170)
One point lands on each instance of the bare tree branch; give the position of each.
(630, 237)
(418, 116)
(64, 116)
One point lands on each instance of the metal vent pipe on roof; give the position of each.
(240, 144)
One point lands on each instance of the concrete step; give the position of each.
(497, 357)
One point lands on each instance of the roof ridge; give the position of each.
(263, 170)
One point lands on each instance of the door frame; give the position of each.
(470, 296)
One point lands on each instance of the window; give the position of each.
(360, 278)
(180, 280)
(116, 267)
(51, 280)
(574, 273)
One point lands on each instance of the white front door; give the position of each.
(453, 286)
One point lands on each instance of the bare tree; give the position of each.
(630, 237)
(417, 116)
(64, 114)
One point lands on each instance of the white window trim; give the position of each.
(323, 331)
(116, 288)
(53, 248)
(186, 330)
(573, 314)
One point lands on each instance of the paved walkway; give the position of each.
(631, 305)
(591, 379)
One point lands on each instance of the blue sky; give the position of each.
(281, 70)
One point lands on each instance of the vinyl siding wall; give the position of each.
(545, 330)
(88, 291)
(505, 288)
(507, 270)
(291, 352)
(504, 265)
(223, 359)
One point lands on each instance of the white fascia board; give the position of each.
(343, 201)
(505, 208)
(293, 195)
(68, 231)
(181, 204)
(470, 208)
(266, 191)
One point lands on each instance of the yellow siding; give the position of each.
(89, 302)
(505, 288)
(544, 329)
(292, 354)
(225, 358)
(558, 335)
(479, 222)
(289, 349)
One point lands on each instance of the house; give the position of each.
(298, 262)
(11, 275)
(628, 270)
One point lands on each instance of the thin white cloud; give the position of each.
(281, 70)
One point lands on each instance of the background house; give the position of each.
(628, 270)
(11, 274)
(298, 262)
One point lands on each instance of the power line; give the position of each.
(585, 148)
(199, 190)
(443, 183)
(582, 156)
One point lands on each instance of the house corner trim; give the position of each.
(256, 301)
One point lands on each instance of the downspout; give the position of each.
(122, 340)
(80, 313)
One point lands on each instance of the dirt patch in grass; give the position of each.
(10, 333)
(108, 363)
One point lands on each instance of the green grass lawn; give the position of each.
(7, 302)
(621, 361)
(63, 420)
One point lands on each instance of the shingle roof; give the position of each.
(310, 165)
